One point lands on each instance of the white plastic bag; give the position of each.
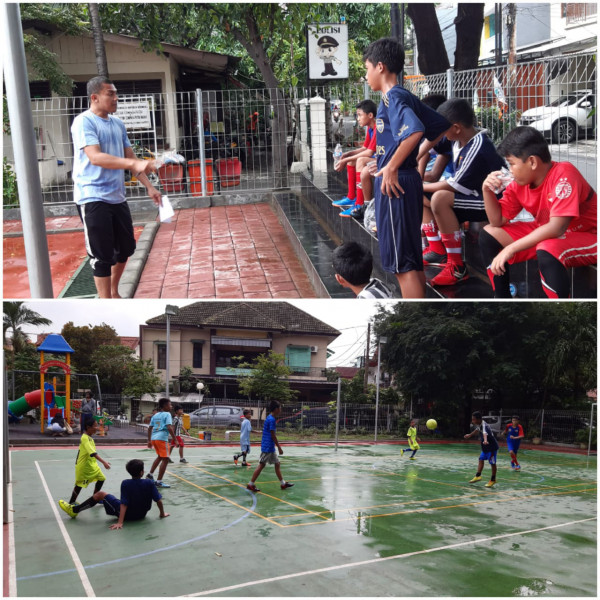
(369, 216)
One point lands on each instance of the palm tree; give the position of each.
(17, 314)
(99, 48)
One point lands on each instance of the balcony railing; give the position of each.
(580, 12)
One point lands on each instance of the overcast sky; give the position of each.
(348, 316)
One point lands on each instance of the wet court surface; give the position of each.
(237, 251)
(360, 522)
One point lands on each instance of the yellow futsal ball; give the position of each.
(431, 424)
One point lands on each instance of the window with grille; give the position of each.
(161, 356)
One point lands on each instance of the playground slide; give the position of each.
(31, 400)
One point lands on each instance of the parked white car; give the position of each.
(565, 118)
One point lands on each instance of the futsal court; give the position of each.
(362, 521)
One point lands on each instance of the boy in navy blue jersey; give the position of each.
(460, 197)
(489, 447)
(402, 120)
(267, 449)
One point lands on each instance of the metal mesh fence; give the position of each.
(252, 136)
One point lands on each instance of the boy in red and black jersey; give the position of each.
(563, 233)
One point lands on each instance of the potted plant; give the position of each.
(534, 434)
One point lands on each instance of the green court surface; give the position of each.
(362, 521)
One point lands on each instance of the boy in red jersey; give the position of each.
(562, 203)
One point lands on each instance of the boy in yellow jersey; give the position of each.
(413, 440)
(86, 470)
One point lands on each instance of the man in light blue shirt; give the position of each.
(102, 152)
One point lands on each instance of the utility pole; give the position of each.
(366, 382)
(498, 34)
(397, 25)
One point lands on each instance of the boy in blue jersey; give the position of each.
(460, 197)
(137, 495)
(267, 449)
(489, 447)
(514, 434)
(245, 432)
(161, 426)
(402, 120)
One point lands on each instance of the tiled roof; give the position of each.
(272, 316)
(346, 372)
(129, 342)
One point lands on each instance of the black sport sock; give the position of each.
(74, 494)
(555, 277)
(85, 505)
(478, 474)
(490, 247)
(414, 452)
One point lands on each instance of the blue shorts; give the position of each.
(513, 445)
(245, 448)
(399, 224)
(489, 456)
(112, 505)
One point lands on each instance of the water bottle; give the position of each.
(505, 177)
(337, 154)
(513, 290)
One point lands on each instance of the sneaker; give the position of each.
(512, 466)
(286, 485)
(344, 202)
(182, 460)
(401, 451)
(162, 484)
(68, 508)
(476, 478)
(413, 458)
(246, 465)
(235, 459)
(358, 212)
(252, 488)
(490, 484)
(150, 477)
(433, 258)
(170, 459)
(450, 275)
(348, 211)
(517, 467)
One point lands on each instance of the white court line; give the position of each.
(378, 560)
(12, 561)
(87, 586)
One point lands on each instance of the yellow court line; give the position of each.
(426, 500)
(226, 499)
(264, 494)
(422, 510)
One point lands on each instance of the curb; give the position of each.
(135, 264)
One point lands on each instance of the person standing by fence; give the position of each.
(102, 152)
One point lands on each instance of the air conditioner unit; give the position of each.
(314, 349)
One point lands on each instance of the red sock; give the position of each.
(351, 181)
(360, 199)
(433, 237)
(453, 244)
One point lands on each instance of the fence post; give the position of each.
(200, 120)
(450, 83)
(304, 131)
(542, 426)
(591, 426)
(337, 412)
(25, 154)
(318, 134)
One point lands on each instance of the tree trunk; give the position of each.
(432, 55)
(468, 24)
(99, 49)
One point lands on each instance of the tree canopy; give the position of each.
(16, 316)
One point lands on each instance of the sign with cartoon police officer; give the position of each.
(327, 51)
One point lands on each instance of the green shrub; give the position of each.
(497, 127)
(10, 193)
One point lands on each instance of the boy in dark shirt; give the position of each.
(458, 198)
(402, 121)
(137, 495)
(489, 447)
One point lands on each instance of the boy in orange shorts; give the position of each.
(161, 425)
(563, 233)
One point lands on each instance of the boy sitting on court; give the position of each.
(458, 198)
(563, 233)
(86, 470)
(137, 495)
(489, 447)
(353, 264)
(355, 161)
(267, 449)
(402, 121)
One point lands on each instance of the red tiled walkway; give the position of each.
(224, 252)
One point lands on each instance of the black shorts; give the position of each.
(109, 238)
(469, 208)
